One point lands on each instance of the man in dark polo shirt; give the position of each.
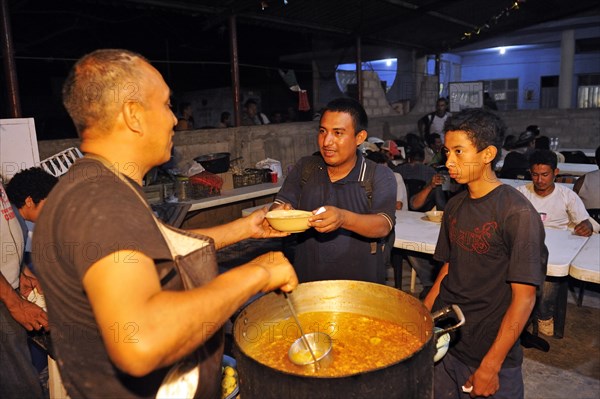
(347, 239)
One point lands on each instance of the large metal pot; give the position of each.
(214, 163)
(411, 377)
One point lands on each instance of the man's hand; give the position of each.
(332, 219)
(29, 315)
(260, 227)
(485, 382)
(27, 282)
(584, 228)
(280, 270)
(437, 180)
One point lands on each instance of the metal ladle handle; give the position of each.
(304, 340)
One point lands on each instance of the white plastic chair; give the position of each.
(58, 164)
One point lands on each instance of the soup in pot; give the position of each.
(360, 343)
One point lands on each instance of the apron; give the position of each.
(198, 375)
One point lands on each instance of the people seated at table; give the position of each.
(433, 152)
(588, 189)
(515, 164)
(419, 178)
(390, 149)
(560, 208)
(482, 230)
(401, 196)
(424, 190)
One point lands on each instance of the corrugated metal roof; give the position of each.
(428, 26)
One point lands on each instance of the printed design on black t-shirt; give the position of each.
(476, 240)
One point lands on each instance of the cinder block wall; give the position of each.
(576, 128)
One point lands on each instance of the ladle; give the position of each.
(304, 340)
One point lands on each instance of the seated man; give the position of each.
(559, 208)
(433, 151)
(415, 171)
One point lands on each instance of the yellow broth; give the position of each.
(360, 343)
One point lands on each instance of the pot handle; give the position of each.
(443, 312)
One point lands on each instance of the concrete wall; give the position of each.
(288, 142)
(527, 65)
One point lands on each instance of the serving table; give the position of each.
(236, 195)
(226, 207)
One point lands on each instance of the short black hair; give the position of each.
(352, 107)
(431, 137)
(543, 157)
(415, 154)
(33, 182)
(483, 128)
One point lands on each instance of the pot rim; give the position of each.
(428, 342)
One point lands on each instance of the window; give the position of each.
(588, 91)
(504, 92)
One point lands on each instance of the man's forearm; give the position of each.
(512, 325)
(8, 295)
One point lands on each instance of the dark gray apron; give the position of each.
(195, 260)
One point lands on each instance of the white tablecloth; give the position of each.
(586, 265)
(416, 234)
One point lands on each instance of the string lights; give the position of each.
(493, 20)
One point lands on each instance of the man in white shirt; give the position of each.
(560, 208)
(434, 121)
(588, 186)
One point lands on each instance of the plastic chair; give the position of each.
(60, 163)
(575, 157)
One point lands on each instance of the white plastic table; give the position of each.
(575, 169)
(586, 265)
(413, 233)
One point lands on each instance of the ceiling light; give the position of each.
(502, 50)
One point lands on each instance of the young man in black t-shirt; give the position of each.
(492, 245)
